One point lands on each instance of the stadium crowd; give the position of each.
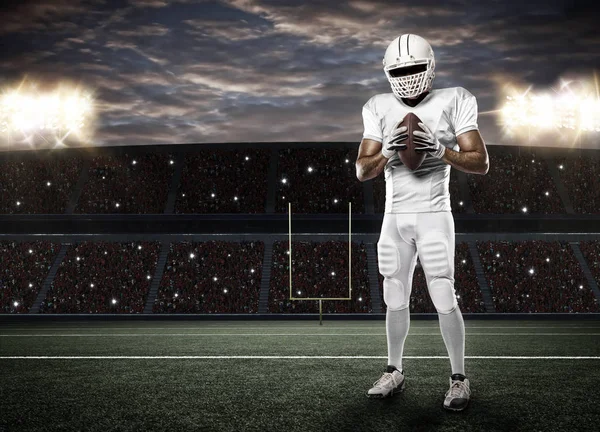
(37, 185)
(24, 268)
(319, 270)
(127, 184)
(211, 277)
(103, 277)
(466, 285)
(515, 184)
(591, 253)
(535, 276)
(581, 177)
(318, 181)
(224, 181)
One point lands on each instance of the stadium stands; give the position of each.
(581, 177)
(224, 181)
(535, 276)
(318, 181)
(319, 270)
(103, 277)
(37, 186)
(211, 277)
(515, 184)
(466, 286)
(24, 268)
(591, 253)
(127, 184)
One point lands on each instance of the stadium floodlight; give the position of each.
(565, 108)
(321, 299)
(55, 114)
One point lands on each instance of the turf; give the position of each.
(308, 394)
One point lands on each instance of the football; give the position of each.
(410, 157)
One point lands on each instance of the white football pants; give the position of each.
(430, 236)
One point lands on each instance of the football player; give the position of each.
(418, 218)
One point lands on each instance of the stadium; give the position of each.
(150, 280)
(174, 266)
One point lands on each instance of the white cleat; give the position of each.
(391, 382)
(457, 397)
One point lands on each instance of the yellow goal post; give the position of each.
(321, 299)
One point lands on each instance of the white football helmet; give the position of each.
(409, 65)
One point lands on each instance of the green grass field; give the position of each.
(292, 376)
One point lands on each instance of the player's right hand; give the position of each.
(395, 144)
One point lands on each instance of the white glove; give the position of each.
(427, 142)
(393, 144)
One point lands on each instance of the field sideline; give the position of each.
(292, 375)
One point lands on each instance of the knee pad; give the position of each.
(388, 259)
(443, 296)
(395, 294)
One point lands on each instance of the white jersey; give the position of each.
(448, 113)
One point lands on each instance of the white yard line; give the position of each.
(275, 327)
(289, 357)
(276, 334)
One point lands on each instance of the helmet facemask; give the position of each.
(409, 81)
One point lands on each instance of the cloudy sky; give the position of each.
(186, 71)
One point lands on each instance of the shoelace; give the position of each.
(387, 376)
(457, 388)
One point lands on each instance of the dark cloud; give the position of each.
(275, 70)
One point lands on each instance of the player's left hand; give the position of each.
(427, 142)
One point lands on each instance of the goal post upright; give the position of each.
(321, 299)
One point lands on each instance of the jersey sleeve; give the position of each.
(371, 122)
(465, 113)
